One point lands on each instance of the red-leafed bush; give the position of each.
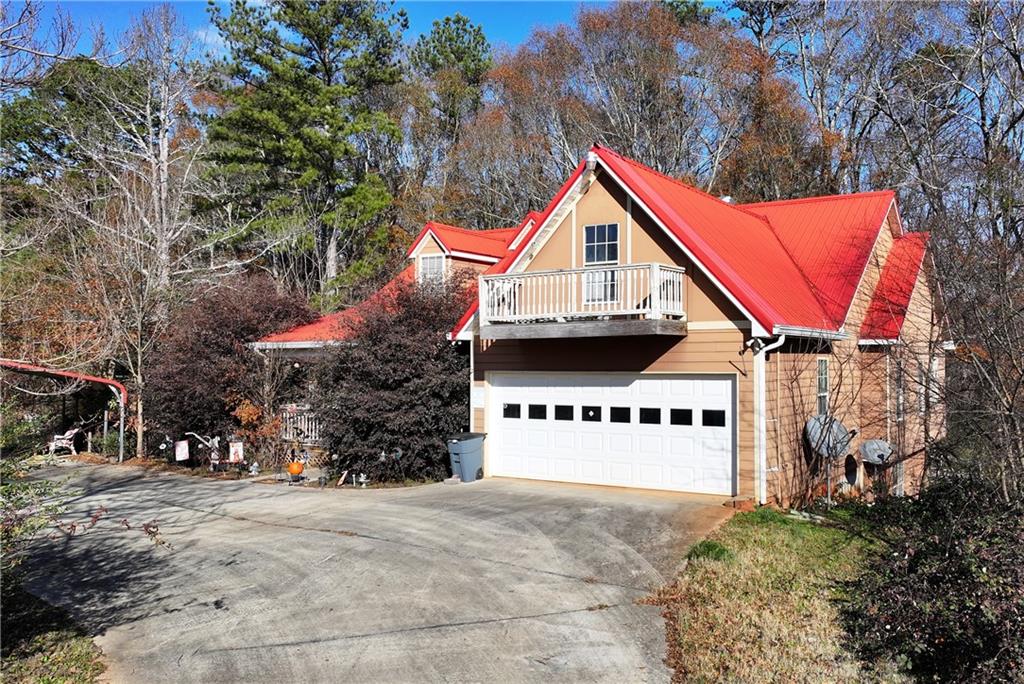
(202, 364)
(401, 385)
(945, 593)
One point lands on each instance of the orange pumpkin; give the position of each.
(295, 468)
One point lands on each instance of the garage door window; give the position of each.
(713, 418)
(538, 411)
(618, 414)
(592, 414)
(563, 412)
(650, 416)
(510, 411)
(681, 417)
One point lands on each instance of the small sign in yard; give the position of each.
(235, 454)
(181, 450)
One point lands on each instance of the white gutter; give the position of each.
(879, 342)
(798, 331)
(760, 414)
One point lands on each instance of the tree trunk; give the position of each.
(140, 444)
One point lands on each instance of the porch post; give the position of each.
(656, 291)
(120, 426)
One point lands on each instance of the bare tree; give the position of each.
(28, 50)
(127, 209)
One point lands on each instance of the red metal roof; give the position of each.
(830, 239)
(793, 263)
(737, 246)
(340, 326)
(489, 243)
(889, 304)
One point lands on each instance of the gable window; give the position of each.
(432, 269)
(600, 248)
(822, 387)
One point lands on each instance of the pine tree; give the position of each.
(296, 77)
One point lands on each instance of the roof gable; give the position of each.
(831, 240)
(891, 299)
(735, 246)
(489, 244)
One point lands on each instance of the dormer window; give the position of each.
(431, 269)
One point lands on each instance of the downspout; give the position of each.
(760, 399)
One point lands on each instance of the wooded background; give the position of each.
(139, 176)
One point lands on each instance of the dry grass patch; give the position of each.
(42, 644)
(760, 601)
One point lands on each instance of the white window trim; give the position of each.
(421, 271)
(617, 243)
(819, 392)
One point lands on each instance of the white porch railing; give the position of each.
(643, 291)
(300, 424)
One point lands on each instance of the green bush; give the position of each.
(945, 592)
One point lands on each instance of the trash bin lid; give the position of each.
(463, 436)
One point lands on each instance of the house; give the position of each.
(639, 332)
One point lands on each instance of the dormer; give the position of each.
(440, 249)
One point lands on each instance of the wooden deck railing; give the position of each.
(645, 291)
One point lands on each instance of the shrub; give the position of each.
(401, 385)
(946, 592)
(201, 366)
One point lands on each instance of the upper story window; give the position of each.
(432, 269)
(601, 244)
(822, 387)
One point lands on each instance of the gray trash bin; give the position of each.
(466, 451)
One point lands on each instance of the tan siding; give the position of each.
(861, 392)
(429, 246)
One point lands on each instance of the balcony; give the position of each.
(597, 301)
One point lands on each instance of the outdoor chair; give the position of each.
(65, 441)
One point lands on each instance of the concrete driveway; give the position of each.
(498, 580)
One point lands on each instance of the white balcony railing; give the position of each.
(636, 291)
(299, 424)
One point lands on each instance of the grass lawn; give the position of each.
(42, 644)
(760, 601)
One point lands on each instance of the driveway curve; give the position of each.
(498, 580)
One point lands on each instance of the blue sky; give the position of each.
(505, 23)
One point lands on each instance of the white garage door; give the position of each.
(654, 431)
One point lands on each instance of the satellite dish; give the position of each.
(876, 452)
(827, 436)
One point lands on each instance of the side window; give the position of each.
(822, 387)
(431, 269)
